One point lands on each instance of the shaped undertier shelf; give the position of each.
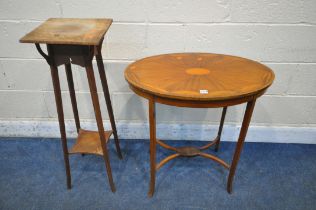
(88, 142)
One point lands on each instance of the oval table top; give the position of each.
(199, 76)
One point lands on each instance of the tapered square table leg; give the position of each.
(240, 142)
(72, 95)
(152, 125)
(221, 125)
(108, 99)
(98, 117)
(60, 112)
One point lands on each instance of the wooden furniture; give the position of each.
(198, 80)
(77, 41)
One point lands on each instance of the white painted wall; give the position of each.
(278, 33)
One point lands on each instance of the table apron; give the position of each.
(198, 103)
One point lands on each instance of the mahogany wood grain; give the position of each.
(98, 117)
(188, 151)
(70, 31)
(199, 76)
(198, 80)
(107, 97)
(241, 139)
(216, 159)
(152, 128)
(72, 93)
(166, 146)
(211, 143)
(166, 160)
(77, 41)
(220, 129)
(89, 142)
(61, 120)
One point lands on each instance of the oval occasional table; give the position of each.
(198, 80)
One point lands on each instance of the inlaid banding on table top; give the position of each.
(224, 76)
(69, 31)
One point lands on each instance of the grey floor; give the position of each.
(269, 176)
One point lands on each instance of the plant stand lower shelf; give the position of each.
(88, 142)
